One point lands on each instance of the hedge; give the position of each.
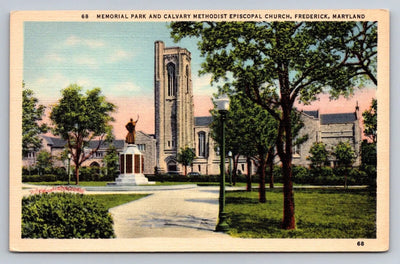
(39, 178)
(64, 215)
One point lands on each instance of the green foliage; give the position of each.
(344, 154)
(32, 113)
(370, 121)
(111, 162)
(44, 162)
(300, 174)
(320, 213)
(65, 215)
(250, 129)
(39, 178)
(368, 153)
(185, 157)
(78, 118)
(318, 154)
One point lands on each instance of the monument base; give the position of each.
(132, 179)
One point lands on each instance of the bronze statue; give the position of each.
(131, 136)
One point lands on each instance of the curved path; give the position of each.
(173, 213)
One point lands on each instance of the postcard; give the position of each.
(199, 131)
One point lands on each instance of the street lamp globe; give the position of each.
(222, 103)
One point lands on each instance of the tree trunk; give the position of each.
(76, 175)
(288, 221)
(261, 190)
(271, 175)
(270, 164)
(234, 174)
(185, 170)
(285, 155)
(248, 178)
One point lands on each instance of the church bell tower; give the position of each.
(173, 94)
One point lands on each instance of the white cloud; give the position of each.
(202, 85)
(53, 57)
(76, 41)
(86, 61)
(119, 55)
(124, 88)
(48, 87)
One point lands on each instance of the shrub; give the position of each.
(39, 178)
(64, 215)
(370, 171)
(358, 176)
(301, 174)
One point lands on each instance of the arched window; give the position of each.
(94, 164)
(202, 144)
(171, 79)
(187, 79)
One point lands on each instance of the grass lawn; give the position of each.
(320, 213)
(112, 200)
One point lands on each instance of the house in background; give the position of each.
(329, 129)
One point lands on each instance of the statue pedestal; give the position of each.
(131, 164)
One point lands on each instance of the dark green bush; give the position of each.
(64, 215)
(39, 178)
(93, 174)
(358, 176)
(301, 174)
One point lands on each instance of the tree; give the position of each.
(80, 118)
(44, 162)
(345, 157)
(186, 157)
(319, 154)
(251, 132)
(111, 160)
(370, 121)
(277, 63)
(32, 113)
(368, 153)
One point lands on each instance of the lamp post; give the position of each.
(230, 166)
(222, 106)
(69, 167)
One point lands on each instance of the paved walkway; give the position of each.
(174, 213)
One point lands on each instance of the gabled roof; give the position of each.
(55, 142)
(202, 120)
(119, 144)
(338, 118)
(314, 114)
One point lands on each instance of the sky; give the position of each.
(118, 57)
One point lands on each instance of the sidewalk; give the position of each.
(190, 213)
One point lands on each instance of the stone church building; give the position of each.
(176, 126)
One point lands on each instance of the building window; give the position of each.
(202, 144)
(98, 154)
(171, 79)
(199, 168)
(296, 150)
(142, 147)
